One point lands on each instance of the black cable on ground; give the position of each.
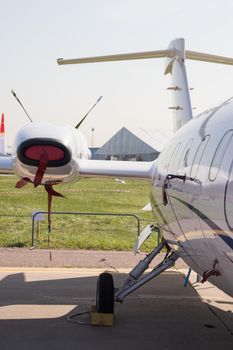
(72, 317)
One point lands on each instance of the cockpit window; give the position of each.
(185, 157)
(219, 154)
(165, 157)
(174, 160)
(198, 156)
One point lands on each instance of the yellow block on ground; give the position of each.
(100, 319)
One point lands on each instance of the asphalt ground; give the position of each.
(20, 257)
(35, 303)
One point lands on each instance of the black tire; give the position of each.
(105, 294)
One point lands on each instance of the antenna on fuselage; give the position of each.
(15, 96)
(79, 124)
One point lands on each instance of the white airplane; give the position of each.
(191, 180)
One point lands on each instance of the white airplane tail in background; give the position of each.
(175, 65)
(2, 135)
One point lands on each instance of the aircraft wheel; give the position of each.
(105, 294)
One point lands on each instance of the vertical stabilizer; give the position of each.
(175, 65)
(2, 135)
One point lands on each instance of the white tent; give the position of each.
(133, 144)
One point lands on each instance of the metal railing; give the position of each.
(81, 214)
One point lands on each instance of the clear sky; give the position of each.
(33, 34)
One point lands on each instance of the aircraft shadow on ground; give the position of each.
(161, 312)
(16, 289)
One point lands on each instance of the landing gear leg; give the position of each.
(105, 296)
(135, 281)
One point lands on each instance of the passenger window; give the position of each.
(184, 160)
(198, 156)
(174, 159)
(219, 154)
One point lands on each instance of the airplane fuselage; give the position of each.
(198, 216)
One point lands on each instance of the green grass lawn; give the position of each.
(71, 231)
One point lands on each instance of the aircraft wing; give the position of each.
(141, 170)
(6, 165)
(91, 168)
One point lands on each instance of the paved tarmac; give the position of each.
(35, 304)
(19, 257)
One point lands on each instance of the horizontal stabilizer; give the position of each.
(190, 55)
(120, 57)
(205, 57)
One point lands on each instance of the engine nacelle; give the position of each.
(60, 143)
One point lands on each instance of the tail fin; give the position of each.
(175, 58)
(2, 135)
(181, 104)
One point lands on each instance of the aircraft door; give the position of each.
(183, 193)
